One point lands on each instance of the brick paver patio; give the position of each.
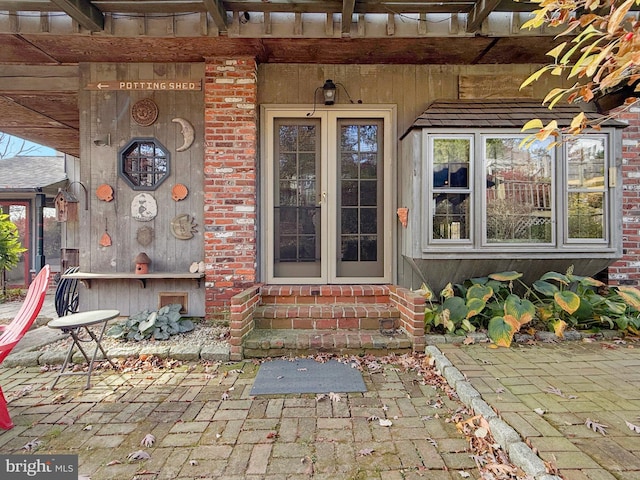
(200, 435)
(567, 383)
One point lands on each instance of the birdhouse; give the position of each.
(142, 262)
(66, 205)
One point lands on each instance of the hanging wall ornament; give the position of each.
(144, 207)
(179, 192)
(104, 192)
(144, 236)
(187, 133)
(105, 240)
(144, 112)
(183, 226)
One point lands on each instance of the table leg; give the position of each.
(76, 341)
(98, 343)
(68, 357)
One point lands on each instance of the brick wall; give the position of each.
(229, 180)
(626, 271)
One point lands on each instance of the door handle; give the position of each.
(323, 198)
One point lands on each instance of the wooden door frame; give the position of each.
(327, 115)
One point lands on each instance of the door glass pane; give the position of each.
(360, 211)
(296, 209)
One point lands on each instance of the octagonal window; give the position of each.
(144, 163)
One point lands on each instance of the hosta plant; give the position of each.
(556, 301)
(159, 325)
(451, 314)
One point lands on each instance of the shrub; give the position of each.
(159, 325)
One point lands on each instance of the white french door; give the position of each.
(327, 195)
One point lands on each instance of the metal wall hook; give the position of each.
(86, 194)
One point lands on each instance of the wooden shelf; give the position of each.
(87, 277)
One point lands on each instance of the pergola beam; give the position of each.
(348, 7)
(215, 8)
(84, 12)
(479, 13)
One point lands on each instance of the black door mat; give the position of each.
(306, 376)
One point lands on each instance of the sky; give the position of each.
(15, 144)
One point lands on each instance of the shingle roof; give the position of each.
(29, 173)
(498, 114)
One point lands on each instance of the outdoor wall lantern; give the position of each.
(329, 93)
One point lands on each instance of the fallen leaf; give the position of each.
(138, 456)
(557, 391)
(373, 418)
(32, 445)
(114, 462)
(632, 427)
(58, 398)
(225, 396)
(309, 463)
(320, 396)
(148, 440)
(365, 451)
(384, 422)
(596, 427)
(88, 428)
(481, 432)
(334, 397)
(146, 472)
(539, 411)
(272, 435)
(464, 474)
(469, 341)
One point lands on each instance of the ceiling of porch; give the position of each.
(43, 41)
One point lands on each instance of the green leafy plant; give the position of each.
(555, 301)
(10, 248)
(159, 325)
(451, 313)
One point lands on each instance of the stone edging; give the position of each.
(35, 357)
(508, 438)
(540, 336)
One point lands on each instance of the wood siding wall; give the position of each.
(104, 113)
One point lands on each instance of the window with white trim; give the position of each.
(488, 191)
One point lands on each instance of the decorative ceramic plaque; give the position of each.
(144, 207)
(183, 226)
(144, 112)
(179, 192)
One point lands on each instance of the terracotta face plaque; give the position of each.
(144, 207)
(144, 112)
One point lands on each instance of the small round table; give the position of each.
(73, 325)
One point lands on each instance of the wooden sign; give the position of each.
(489, 87)
(145, 85)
